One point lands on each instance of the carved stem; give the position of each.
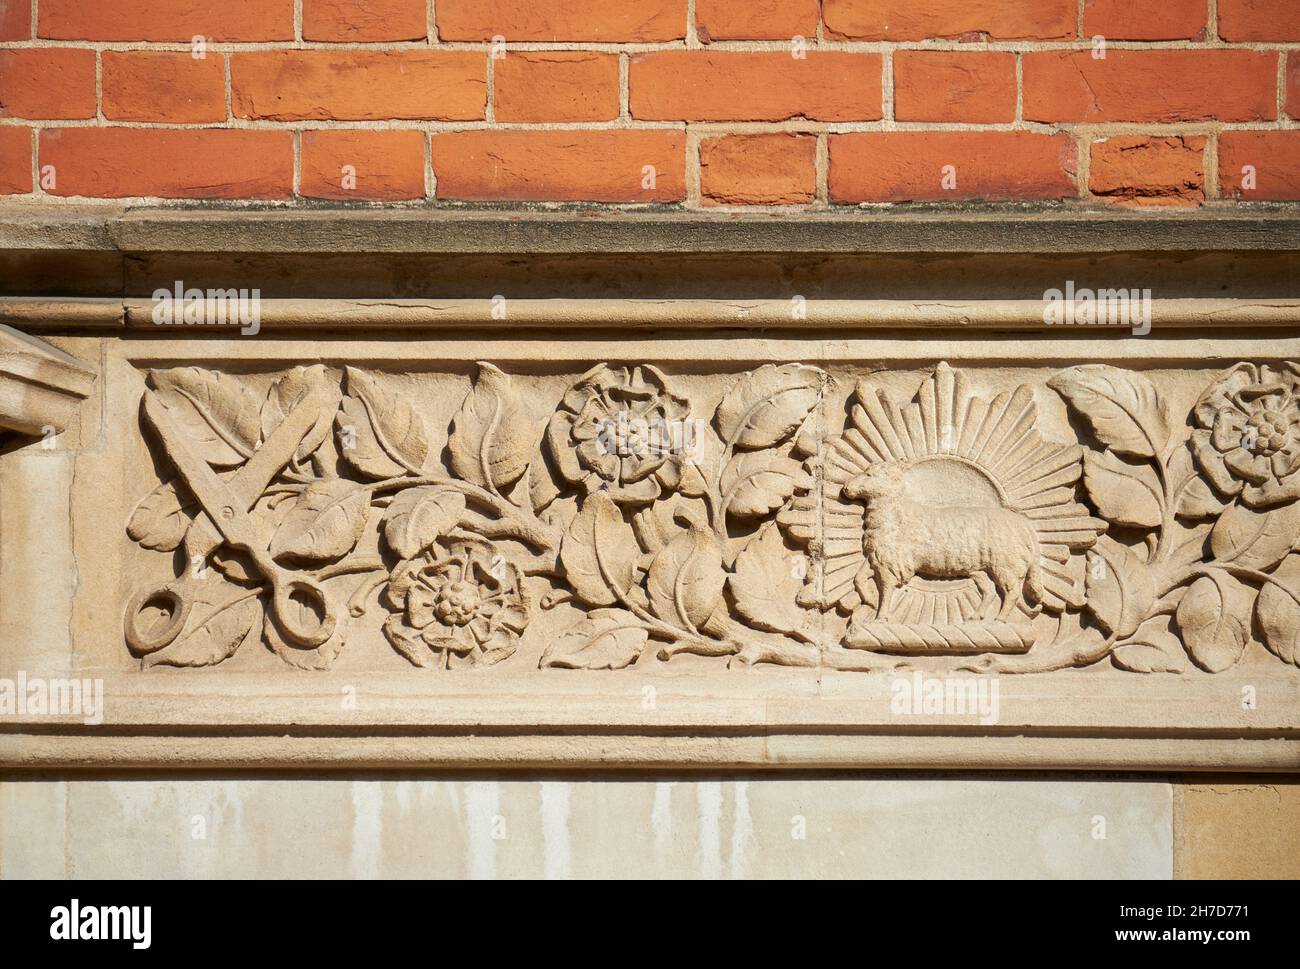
(1241, 572)
(533, 532)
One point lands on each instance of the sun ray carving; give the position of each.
(955, 508)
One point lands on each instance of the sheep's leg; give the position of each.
(1009, 586)
(887, 583)
(988, 592)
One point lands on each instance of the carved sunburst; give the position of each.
(958, 450)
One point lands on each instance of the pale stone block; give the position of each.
(699, 827)
(33, 829)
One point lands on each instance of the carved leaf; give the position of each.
(324, 524)
(491, 437)
(1199, 501)
(321, 657)
(1152, 649)
(380, 434)
(1124, 409)
(1214, 617)
(766, 405)
(607, 639)
(215, 639)
(599, 552)
(767, 583)
(759, 482)
(1278, 614)
(161, 519)
(418, 516)
(1123, 493)
(1255, 539)
(686, 579)
(410, 645)
(287, 392)
(1120, 588)
(217, 413)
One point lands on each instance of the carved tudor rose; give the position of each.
(616, 523)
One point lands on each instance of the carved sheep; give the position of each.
(903, 538)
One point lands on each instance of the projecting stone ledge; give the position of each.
(41, 386)
(522, 230)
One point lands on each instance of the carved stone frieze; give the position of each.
(628, 517)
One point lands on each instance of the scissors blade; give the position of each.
(226, 509)
(251, 480)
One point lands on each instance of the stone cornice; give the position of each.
(278, 230)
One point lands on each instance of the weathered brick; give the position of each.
(163, 86)
(905, 166)
(684, 85)
(1126, 20)
(952, 86)
(755, 19)
(587, 165)
(1149, 171)
(364, 21)
(384, 166)
(15, 19)
(1150, 85)
(556, 86)
(920, 19)
(359, 85)
(609, 21)
(15, 160)
(1273, 158)
(49, 82)
(765, 169)
(166, 20)
(169, 162)
(1259, 20)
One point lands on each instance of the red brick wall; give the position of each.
(696, 103)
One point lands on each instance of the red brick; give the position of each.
(949, 86)
(166, 20)
(1150, 85)
(1127, 20)
(161, 86)
(15, 19)
(1293, 85)
(755, 19)
(1262, 20)
(15, 160)
(364, 21)
(1275, 158)
(609, 21)
(589, 166)
(47, 83)
(905, 166)
(169, 162)
(556, 86)
(1149, 171)
(684, 85)
(388, 165)
(919, 19)
(357, 85)
(766, 169)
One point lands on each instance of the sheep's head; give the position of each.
(878, 481)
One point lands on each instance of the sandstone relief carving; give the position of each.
(628, 528)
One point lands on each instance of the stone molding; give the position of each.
(351, 315)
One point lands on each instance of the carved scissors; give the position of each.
(300, 607)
